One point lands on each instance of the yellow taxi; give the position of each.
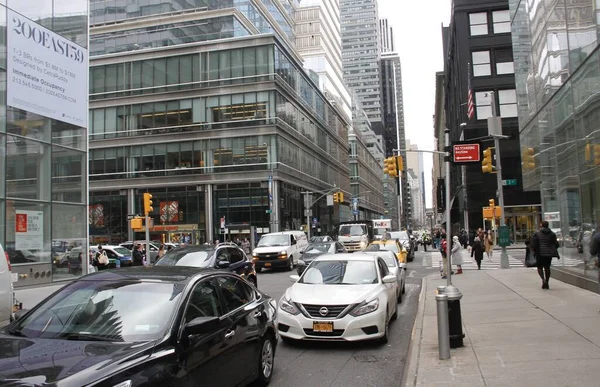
(391, 245)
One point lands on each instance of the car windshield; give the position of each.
(198, 258)
(390, 247)
(318, 248)
(122, 251)
(274, 240)
(389, 259)
(104, 310)
(340, 273)
(353, 230)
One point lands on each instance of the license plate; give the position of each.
(319, 326)
(267, 264)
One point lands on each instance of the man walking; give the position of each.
(544, 245)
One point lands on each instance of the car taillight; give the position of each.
(7, 261)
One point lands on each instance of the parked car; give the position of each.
(223, 256)
(390, 245)
(340, 297)
(317, 249)
(144, 326)
(6, 288)
(279, 249)
(153, 248)
(406, 242)
(396, 268)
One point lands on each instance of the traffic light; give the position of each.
(492, 203)
(486, 163)
(588, 153)
(400, 163)
(137, 224)
(336, 199)
(340, 197)
(147, 203)
(528, 159)
(596, 155)
(390, 166)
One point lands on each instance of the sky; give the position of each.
(418, 41)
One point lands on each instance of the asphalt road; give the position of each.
(349, 364)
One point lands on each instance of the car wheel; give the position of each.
(291, 264)
(384, 339)
(399, 297)
(403, 288)
(266, 360)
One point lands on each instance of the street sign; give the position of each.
(131, 216)
(503, 236)
(509, 182)
(466, 153)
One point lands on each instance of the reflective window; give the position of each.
(504, 61)
(204, 302)
(501, 20)
(28, 239)
(507, 100)
(483, 105)
(478, 23)
(481, 63)
(235, 293)
(68, 175)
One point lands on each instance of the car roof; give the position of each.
(358, 256)
(170, 274)
(383, 242)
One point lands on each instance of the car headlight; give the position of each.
(366, 308)
(363, 244)
(288, 306)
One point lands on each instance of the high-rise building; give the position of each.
(361, 52)
(556, 62)
(206, 105)
(478, 42)
(415, 163)
(43, 140)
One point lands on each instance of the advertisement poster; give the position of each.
(169, 212)
(96, 215)
(29, 230)
(46, 73)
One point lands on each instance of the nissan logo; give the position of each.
(323, 311)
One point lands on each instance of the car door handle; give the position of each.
(229, 334)
(257, 314)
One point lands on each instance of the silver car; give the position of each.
(396, 268)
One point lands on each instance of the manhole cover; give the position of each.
(365, 358)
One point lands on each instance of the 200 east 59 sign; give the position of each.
(46, 73)
(466, 153)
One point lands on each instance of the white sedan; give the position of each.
(340, 297)
(396, 268)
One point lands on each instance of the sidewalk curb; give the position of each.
(412, 358)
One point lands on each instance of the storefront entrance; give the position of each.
(522, 222)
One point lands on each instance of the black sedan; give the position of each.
(223, 256)
(316, 249)
(144, 326)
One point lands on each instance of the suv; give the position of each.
(222, 256)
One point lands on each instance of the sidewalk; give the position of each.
(516, 334)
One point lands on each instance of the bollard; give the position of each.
(440, 289)
(443, 326)
(454, 316)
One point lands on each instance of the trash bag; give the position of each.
(530, 260)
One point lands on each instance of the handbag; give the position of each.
(530, 259)
(103, 259)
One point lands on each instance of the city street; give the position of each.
(349, 364)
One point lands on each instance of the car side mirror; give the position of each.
(389, 279)
(223, 264)
(201, 325)
(294, 277)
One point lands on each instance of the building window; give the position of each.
(501, 21)
(483, 102)
(507, 100)
(479, 24)
(481, 63)
(504, 61)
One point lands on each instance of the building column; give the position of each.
(208, 212)
(130, 210)
(274, 227)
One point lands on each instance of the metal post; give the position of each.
(448, 209)
(147, 238)
(443, 326)
(399, 197)
(504, 262)
(307, 206)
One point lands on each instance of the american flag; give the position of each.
(470, 102)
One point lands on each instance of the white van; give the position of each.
(6, 289)
(279, 249)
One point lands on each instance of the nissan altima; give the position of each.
(144, 326)
(340, 297)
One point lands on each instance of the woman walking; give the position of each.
(478, 249)
(456, 256)
(489, 244)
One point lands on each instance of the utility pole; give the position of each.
(308, 207)
(504, 262)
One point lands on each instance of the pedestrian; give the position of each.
(443, 250)
(456, 257)
(101, 259)
(477, 249)
(544, 245)
(246, 246)
(136, 256)
(161, 252)
(489, 244)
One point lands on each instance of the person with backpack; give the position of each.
(544, 245)
(477, 249)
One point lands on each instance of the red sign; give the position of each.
(466, 153)
(21, 223)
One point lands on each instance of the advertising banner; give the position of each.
(169, 212)
(46, 73)
(96, 215)
(29, 230)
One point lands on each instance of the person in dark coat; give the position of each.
(478, 249)
(544, 245)
(136, 256)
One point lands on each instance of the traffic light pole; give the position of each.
(147, 238)
(504, 262)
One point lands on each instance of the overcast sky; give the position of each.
(418, 39)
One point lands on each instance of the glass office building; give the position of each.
(557, 71)
(205, 105)
(43, 191)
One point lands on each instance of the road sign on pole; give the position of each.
(503, 236)
(466, 153)
(509, 182)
